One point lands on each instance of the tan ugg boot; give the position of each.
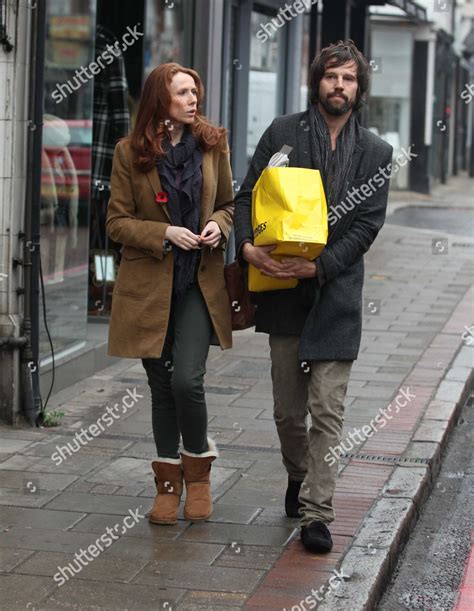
(169, 486)
(197, 469)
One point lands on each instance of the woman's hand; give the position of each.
(211, 234)
(182, 237)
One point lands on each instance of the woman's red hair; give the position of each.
(146, 137)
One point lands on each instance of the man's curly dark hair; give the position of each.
(337, 54)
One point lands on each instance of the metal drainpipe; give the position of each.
(31, 397)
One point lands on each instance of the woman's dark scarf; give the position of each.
(335, 165)
(180, 173)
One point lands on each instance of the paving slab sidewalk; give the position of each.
(417, 322)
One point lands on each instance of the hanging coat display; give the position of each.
(111, 113)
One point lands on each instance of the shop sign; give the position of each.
(76, 27)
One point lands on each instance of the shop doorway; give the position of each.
(119, 33)
(163, 33)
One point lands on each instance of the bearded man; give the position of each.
(315, 329)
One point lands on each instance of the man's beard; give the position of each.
(337, 111)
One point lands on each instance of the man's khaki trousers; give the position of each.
(317, 388)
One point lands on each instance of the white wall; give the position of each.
(439, 12)
(14, 76)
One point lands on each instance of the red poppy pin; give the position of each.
(161, 197)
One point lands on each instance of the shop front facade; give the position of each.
(415, 92)
(254, 58)
(95, 64)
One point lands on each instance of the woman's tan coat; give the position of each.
(142, 293)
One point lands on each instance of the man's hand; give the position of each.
(211, 234)
(259, 257)
(182, 237)
(297, 267)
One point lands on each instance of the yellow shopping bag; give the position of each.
(288, 209)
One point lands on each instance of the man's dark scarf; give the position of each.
(180, 173)
(334, 165)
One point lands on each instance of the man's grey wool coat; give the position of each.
(326, 312)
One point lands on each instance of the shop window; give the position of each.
(265, 74)
(390, 94)
(168, 32)
(230, 64)
(66, 171)
(387, 118)
(305, 62)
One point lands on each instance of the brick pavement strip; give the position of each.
(465, 600)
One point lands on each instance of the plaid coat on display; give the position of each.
(111, 114)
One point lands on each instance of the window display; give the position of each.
(66, 172)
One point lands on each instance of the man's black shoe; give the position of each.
(316, 538)
(292, 504)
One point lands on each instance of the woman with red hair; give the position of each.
(171, 207)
